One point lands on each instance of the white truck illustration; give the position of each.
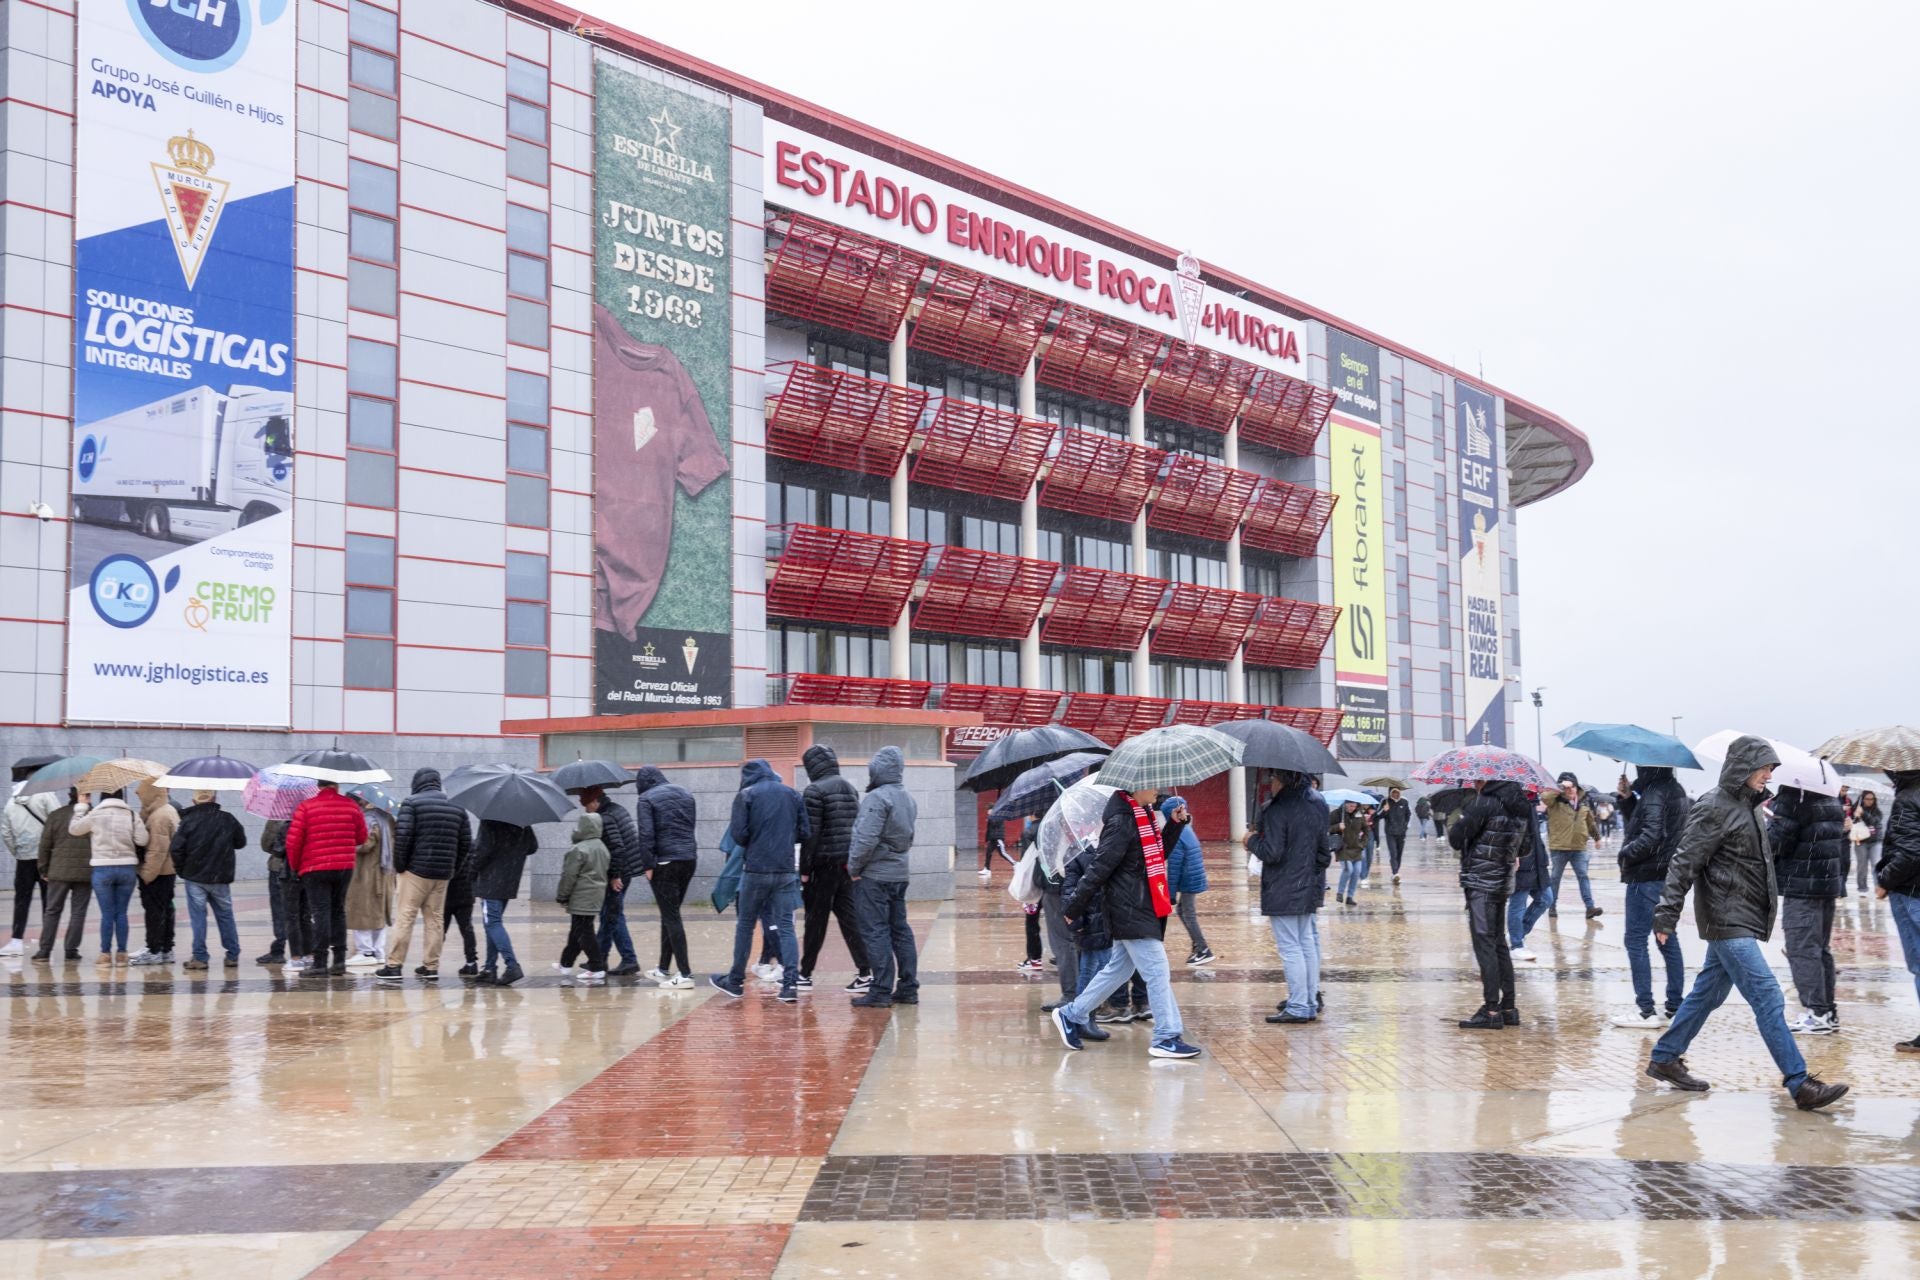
(189, 466)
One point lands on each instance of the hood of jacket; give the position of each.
(587, 827)
(1647, 775)
(1743, 757)
(646, 778)
(425, 780)
(887, 768)
(821, 762)
(1168, 805)
(754, 771)
(153, 799)
(1510, 796)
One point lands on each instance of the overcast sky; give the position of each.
(1688, 229)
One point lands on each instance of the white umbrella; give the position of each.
(1798, 768)
(1073, 822)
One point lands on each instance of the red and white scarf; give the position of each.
(1156, 854)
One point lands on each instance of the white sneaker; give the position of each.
(1365, 883)
(146, 957)
(986, 873)
(676, 981)
(361, 960)
(591, 978)
(1814, 1024)
(565, 970)
(1523, 955)
(659, 975)
(1635, 1021)
(768, 972)
(296, 964)
(14, 948)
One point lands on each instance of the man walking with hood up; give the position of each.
(877, 862)
(768, 821)
(832, 807)
(1724, 859)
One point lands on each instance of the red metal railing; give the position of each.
(1002, 704)
(1101, 609)
(856, 691)
(1201, 498)
(1204, 623)
(840, 277)
(834, 575)
(1288, 518)
(1285, 413)
(981, 448)
(841, 419)
(1098, 356)
(1199, 387)
(1321, 722)
(1099, 475)
(1113, 718)
(1290, 633)
(1192, 711)
(980, 320)
(981, 593)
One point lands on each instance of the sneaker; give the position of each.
(564, 970)
(1484, 1020)
(591, 978)
(1205, 956)
(1142, 1014)
(722, 982)
(871, 1001)
(104, 958)
(1396, 878)
(677, 982)
(861, 982)
(803, 982)
(657, 975)
(195, 966)
(271, 959)
(14, 948)
(512, 975)
(1638, 1021)
(986, 873)
(1031, 966)
(338, 969)
(387, 973)
(146, 958)
(1285, 1019)
(1069, 1034)
(1814, 1024)
(1173, 1047)
(1112, 1016)
(1092, 1033)
(1524, 956)
(626, 970)
(788, 995)
(363, 960)
(469, 970)
(1815, 1093)
(1675, 1073)
(427, 975)
(767, 972)
(233, 962)
(1908, 1046)
(298, 963)
(1594, 912)
(72, 954)
(1510, 1017)
(486, 978)
(1365, 883)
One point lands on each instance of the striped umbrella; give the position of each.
(1895, 747)
(274, 795)
(110, 776)
(1175, 755)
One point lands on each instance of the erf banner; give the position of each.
(1360, 589)
(662, 418)
(180, 603)
(1479, 451)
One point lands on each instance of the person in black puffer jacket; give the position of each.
(1898, 873)
(431, 842)
(499, 860)
(1656, 808)
(1810, 855)
(664, 817)
(826, 892)
(1491, 836)
(621, 835)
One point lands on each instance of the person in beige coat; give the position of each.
(116, 834)
(370, 892)
(157, 875)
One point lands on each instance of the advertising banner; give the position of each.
(1353, 374)
(1479, 451)
(662, 415)
(180, 600)
(1360, 589)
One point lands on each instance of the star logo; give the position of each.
(665, 132)
(648, 650)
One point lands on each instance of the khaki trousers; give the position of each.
(415, 896)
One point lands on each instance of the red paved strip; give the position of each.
(608, 1253)
(749, 1077)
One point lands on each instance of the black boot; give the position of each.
(1510, 1016)
(1484, 1020)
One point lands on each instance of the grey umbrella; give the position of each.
(507, 793)
(1271, 745)
(578, 775)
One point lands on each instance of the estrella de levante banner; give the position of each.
(180, 600)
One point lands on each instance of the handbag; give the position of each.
(1859, 832)
(1025, 888)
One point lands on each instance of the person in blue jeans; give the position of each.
(1656, 810)
(1530, 897)
(1897, 877)
(1350, 825)
(768, 821)
(117, 833)
(1724, 860)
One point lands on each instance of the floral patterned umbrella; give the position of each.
(275, 795)
(1464, 766)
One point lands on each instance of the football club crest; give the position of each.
(1193, 292)
(192, 200)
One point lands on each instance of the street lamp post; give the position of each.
(1674, 728)
(1539, 727)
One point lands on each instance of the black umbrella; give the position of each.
(1021, 750)
(30, 763)
(331, 764)
(1272, 745)
(507, 793)
(578, 775)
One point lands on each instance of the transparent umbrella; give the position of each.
(1073, 822)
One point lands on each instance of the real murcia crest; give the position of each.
(192, 200)
(1193, 291)
(691, 652)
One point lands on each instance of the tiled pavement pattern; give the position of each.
(162, 1124)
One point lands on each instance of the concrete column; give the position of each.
(1237, 664)
(1142, 659)
(899, 637)
(1031, 676)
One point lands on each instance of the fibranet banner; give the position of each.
(1360, 589)
(1479, 453)
(662, 416)
(180, 604)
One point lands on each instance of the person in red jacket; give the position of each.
(321, 840)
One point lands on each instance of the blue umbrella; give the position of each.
(374, 794)
(1631, 744)
(1034, 791)
(1340, 797)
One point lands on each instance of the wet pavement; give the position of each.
(159, 1123)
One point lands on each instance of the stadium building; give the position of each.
(459, 380)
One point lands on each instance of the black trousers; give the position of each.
(26, 880)
(326, 893)
(156, 903)
(1396, 848)
(460, 913)
(670, 881)
(828, 893)
(583, 939)
(292, 899)
(1487, 918)
(1033, 933)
